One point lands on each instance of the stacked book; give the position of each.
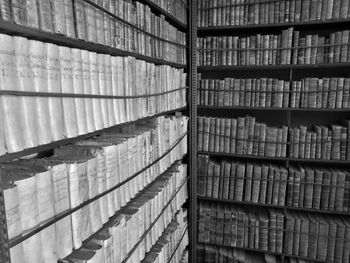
(240, 12)
(289, 47)
(320, 142)
(230, 92)
(324, 238)
(250, 182)
(37, 190)
(211, 254)
(177, 8)
(86, 22)
(161, 200)
(242, 136)
(228, 225)
(264, 183)
(33, 66)
(172, 242)
(331, 93)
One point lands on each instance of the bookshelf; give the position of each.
(283, 115)
(177, 24)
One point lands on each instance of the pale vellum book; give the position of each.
(78, 84)
(95, 88)
(102, 89)
(39, 70)
(69, 107)
(54, 86)
(87, 89)
(26, 83)
(12, 107)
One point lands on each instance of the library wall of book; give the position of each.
(273, 170)
(174, 131)
(93, 131)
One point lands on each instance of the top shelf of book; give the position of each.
(181, 23)
(61, 40)
(258, 28)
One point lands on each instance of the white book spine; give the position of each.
(97, 106)
(89, 109)
(38, 68)
(13, 220)
(69, 108)
(78, 84)
(54, 86)
(115, 89)
(103, 89)
(109, 89)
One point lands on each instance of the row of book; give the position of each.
(265, 183)
(305, 235)
(172, 243)
(147, 216)
(241, 136)
(213, 254)
(177, 8)
(37, 190)
(33, 66)
(161, 200)
(86, 22)
(269, 92)
(245, 136)
(240, 12)
(289, 47)
(320, 142)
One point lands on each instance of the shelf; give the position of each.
(289, 208)
(154, 222)
(265, 158)
(273, 67)
(239, 29)
(265, 252)
(43, 148)
(15, 241)
(36, 34)
(229, 108)
(169, 17)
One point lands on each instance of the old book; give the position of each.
(248, 182)
(45, 15)
(80, 22)
(59, 18)
(322, 240)
(333, 228)
(289, 234)
(257, 176)
(304, 235)
(39, 68)
(316, 201)
(13, 220)
(5, 10)
(69, 108)
(14, 131)
(239, 181)
(226, 180)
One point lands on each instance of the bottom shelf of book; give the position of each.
(291, 235)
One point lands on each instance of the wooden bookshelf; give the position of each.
(12, 29)
(169, 17)
(256, 28)
(281, 255)
(52, 221)
(280, 207)
(47, 147)
(36, 34)
(276, 117)
(283, 109)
